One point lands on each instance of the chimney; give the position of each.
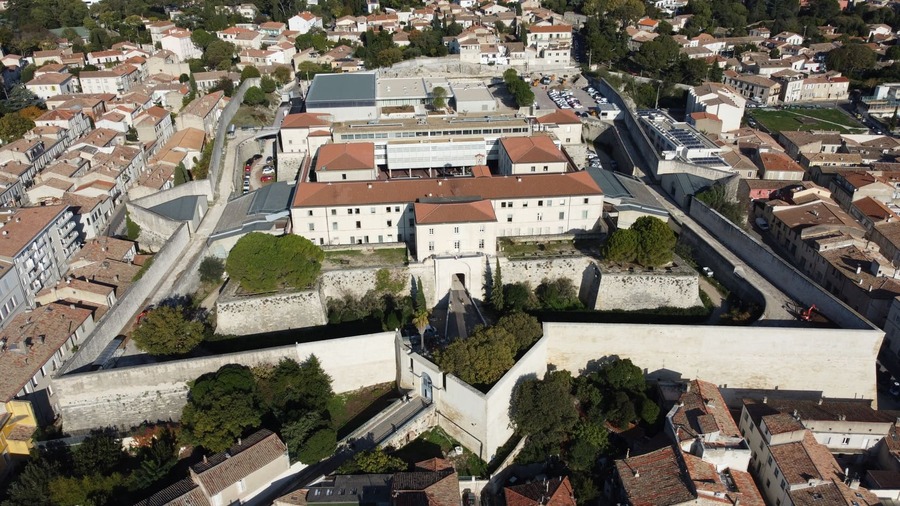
(765, 400)
(821, 399)
(637, 474)
(204, 459)
(858, 269)
(854, 484)
(240, 442)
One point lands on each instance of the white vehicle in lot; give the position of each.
(268, 170)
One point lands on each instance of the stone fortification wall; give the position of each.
(778, 271)
(130, 303)
(255, 314)
(356, 282)
(128, 396)
(835, 362)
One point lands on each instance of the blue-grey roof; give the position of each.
(180, 209)
(691, 184)
(255, 211)
(630, 192)
(337, 88)
(368, 489)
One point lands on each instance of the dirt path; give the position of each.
(717, 299)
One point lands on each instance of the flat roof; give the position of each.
(347, 87)
(471, 92)
(402, 87)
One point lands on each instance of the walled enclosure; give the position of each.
(621, 290)
(128, 396)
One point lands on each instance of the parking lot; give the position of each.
(574, 94)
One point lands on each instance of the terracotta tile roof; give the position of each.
(346, 156)
(32, 339)
(780, 423)
(434, 465)
(411, 190)
(481, 171)
(107, 272)
(874, 209)
(24, 225)
(560, 117)
(801, 138)
(815, 214)
(537, 149)
(776, 161)
(654, 479)
(425, 488)
(454, 212)
(241, 460)
(305, 120)
(552, 492)
(181, 493)
(805, 460)
(105, 248)
(833, 493)
(49, 78)
(702, 410)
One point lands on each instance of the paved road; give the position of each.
(191, 257)
(462, 316)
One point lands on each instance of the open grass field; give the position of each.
(806, 119)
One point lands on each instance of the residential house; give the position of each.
(118, 80)
(157, 29)
(18, 424)
(304, 132)
(50, 84)
(179, 43)
(232, 476)
(798, 142)
(303, 22)
(203, 113)
(563, 124)
(154, 127)
(758, 89)
(777, 165)
(549, 491)
(36, 344)
(726, 103)
(530, 155)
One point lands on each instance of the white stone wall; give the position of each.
(127, 396)
(835, 362)
(271, 312)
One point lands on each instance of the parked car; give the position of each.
(266, 179)
(762, 224)
(707, 271)
(247, 167)
(268, 169)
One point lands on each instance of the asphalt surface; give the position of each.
(462, 315)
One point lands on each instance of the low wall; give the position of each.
(535, 271)
(155, 228)
(779, 272)
(736, 358)
(128, 396)
(201, 187)
(356, 282)
(255, 314)
(130, 303)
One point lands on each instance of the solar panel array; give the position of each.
(708, 160)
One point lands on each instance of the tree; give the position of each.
(249, 72)
(421, 304)
(28, 72)
(132, 229)
(320, 445)
(518, 297)
(224, 84)
(421, 321)
(296, 433)
(622, 246)
(439, 97)
(658, 55)
(497, 287)
(292, 390)
(221, 406)
(202, 39)
(558, 294)
(31, 112)
(850, 59)
(91, 489)
(524, 328)
(262, 262)
(375, 461)
(217, 53)
(181, 174)
(167, 331)
(131, 135)
(211, 270)
(13, 126)
(32, 486)
(254, 96)
(283, 75)
(482, 358)
(544, 410)
(656, 241)
(267, 84)
(101, 452)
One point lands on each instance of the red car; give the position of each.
(265, 179)
(247, 167)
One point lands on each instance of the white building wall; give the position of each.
(456, 239)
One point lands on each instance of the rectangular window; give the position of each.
(769, 461)
(309, 213)
(481, 228)
(390, 223)
(371, 210)
(349, 211)
(546, 168)
(334, 212)
(509, 218)
(480, 243)
(312, 227)
(396, 209)
(562, 215)
(503, 204)
(358, 224)
(540, 216)
(430, 245)
(356, 211)
(525, 204)
(430, 231)
(334, 225)
(455, 230)
(584, 215)
(412, 222)
(387, 209)
(540, 203)
(586, 201)
(456, 245)
(533, 168)
(845, 441)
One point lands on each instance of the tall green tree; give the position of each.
(421, 304)
(168, 330)
(482, 358)
(13, 126)
(497, 288)
(545, 411)
(656, 243)
(221, 407)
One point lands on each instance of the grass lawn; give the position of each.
(806, 119)
(247, 116)
(351, 409)
(436, 443)
(527, 249)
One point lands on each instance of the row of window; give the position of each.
(456, 245)
(433, 133)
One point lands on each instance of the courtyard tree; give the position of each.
(482, 358)
(282, 75)
(168, 330)
(497, 287)
(211, 270)
(439, 97)
(221, 406)
(621, 246)
(524, 328)
(267, 84)
(263, 263)
(375, 461)
(656, 241)
(254, 96)
(544, 410)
